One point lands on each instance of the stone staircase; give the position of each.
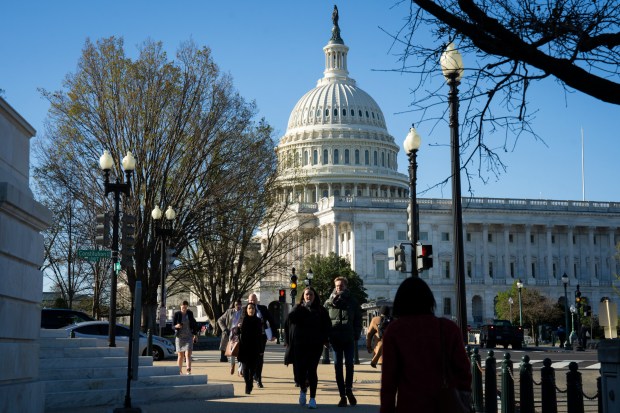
(78, 374)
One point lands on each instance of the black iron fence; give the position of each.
(520, 392)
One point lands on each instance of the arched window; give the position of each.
(357, 156)
(325, 157)
(327, 113)
(344, 112)
(367, 157)
(383, 159)
(305, 160)
(315, 157)
(336, 157)
(335, 112)
(346, 157)
(376, 159)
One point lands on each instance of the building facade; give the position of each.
(353, 197)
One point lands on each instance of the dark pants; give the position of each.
(249, 369)
(304, 371)
(258, 375)
(343, 350)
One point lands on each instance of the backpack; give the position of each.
(383, 325)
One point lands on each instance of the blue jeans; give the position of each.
(343, 350)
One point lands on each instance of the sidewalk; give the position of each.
(279, 394)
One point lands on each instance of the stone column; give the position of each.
(549, 233)
(507, 251)
(591, 274)
(570, 271)
(527, 274)
(485, 253)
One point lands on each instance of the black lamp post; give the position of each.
(163, 231)
(452, 68)
(309, 277)
(411, 145)
(106, 163)
(565, 282)
(519, 287)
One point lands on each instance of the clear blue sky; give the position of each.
(274, 52)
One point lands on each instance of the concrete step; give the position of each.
(106, 372)
(119, 382)
(139, 394)
(81, 352)
(53, 333)
(87, 362)
(66, 342)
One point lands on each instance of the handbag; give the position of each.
(268, 332)
(451, 399)
(232, 349)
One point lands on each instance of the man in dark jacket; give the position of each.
(346, 317)
(267, 322)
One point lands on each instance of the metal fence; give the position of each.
(520, 392)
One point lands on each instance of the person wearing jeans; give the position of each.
(346, 318)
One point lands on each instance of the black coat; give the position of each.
(178, 318)
(250, 339)
(306, 331)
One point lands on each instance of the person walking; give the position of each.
(410, 382)
(229, 323)
(250, 339)
(374, 335)
(346, 319)
(185, 336)
(306, 331)
(266, 320)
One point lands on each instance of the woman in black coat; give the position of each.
(249, 345)
(306, 332)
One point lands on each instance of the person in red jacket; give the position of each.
(411, 374)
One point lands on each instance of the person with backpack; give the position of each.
(374, 335)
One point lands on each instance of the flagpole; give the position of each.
(583, 181)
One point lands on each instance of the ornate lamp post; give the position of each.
(510, 303)
(565, 282)
(106, 163)
(163, 231)
(309, 277)
(519, 287)
(452, 68)
(411, 145)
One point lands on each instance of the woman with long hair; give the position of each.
(250, 336)
(306, 331)
(410, 382)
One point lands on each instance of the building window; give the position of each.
(327, 113)
(305, 161)
(315, 157)
(512, 269)
(335, 112)
(469, 269)
(325, 157)
(575, 270)
(553, 239)
(534, 269)
(491, 269)
(554, 269)
(468, 237)
(383, 161)
(376, 159)
(447, 306)
(402, 235)
(531, 238)
(344, 112)
(596, 270)
(336, 157)
(423, 236)
(445, 236)
(346, 157)
(490, 237)
(380, 235)
(446, 269)
(357, 156)
(574, 240)
(367, 157)
(594, 240)
(380, 268)
(510, 238)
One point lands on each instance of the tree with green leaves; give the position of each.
(325, 269)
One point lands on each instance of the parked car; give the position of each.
(162, 348)
(502, 333)
(62, 317)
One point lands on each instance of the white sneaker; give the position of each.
(312, 404)
(302, 398)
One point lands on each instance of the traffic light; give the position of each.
(424, 254)
(171, 257)
(102, 231)
(282, 296)
(128, 232)
(293, 284)
(577, 297)
(399, 257)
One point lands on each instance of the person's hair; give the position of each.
(185, 303)
(385, 310)
(317, 299)
(342, 279)
(413, 297)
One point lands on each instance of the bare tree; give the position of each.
(510, 45)
(186, 126)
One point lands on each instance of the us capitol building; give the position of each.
(355, 200)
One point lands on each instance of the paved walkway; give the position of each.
(279, 394)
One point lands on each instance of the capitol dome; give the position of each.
(337, 139)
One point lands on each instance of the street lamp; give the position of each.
(452, 68)
(565, 282)
(519, 287)
(163, 231)
(309, 277)
(106, 163)
(510, 303)
(411, 145)
(573, 333)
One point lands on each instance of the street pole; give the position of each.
(452, 67)
(412, 144)
(565, 282)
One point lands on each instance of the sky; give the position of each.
(274, 52)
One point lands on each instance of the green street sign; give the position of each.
(94, 255)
